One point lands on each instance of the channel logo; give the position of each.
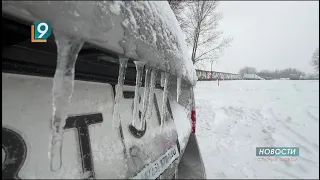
(40, 31)
(277, 151)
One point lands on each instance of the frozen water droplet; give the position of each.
(151, 94)
(56, 157)
(139, 69)
(178, 88)
(145, 97)
(119, 90)
(162, 79)
(63, 84)
(164, 100)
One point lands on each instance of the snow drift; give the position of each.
(238, 116)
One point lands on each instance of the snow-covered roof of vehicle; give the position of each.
(142, 30)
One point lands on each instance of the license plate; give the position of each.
(92, 147)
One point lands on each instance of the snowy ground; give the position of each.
(237, 116)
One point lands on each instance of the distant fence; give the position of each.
(214, 75)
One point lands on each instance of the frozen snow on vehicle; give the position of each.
(109, 95)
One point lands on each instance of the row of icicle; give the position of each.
(63, 85)
(147, 100)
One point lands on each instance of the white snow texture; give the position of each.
(238, 116)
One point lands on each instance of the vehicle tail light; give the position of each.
(193, 113)
(193, 120)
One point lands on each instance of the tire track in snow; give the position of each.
(236, 118)
(308, 160)
(298, 144)
(308, 148)
(312, 116)
(286, 173)
(302, 138)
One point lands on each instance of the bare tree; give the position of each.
(248, 70)
(179, 7)
(315, 60)
(201, 23)
(199, 20)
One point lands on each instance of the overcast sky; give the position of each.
(269, 34)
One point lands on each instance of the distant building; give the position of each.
(251, 77)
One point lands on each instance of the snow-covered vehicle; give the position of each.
(108, 95)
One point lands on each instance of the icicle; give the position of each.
(178, 88)
(63, 84)
(164, 100)
(145, 98)
(151, 94)
(176, 173)
(162, 79)
(119, 90)
(139, 68)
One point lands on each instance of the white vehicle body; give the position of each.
(92, 147)
(143, 30)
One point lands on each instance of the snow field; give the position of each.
(237, 116)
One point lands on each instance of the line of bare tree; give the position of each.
(275, 74)
(285, 73)
(315, 60)
(199, 21)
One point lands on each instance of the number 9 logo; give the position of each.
(42, 32)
